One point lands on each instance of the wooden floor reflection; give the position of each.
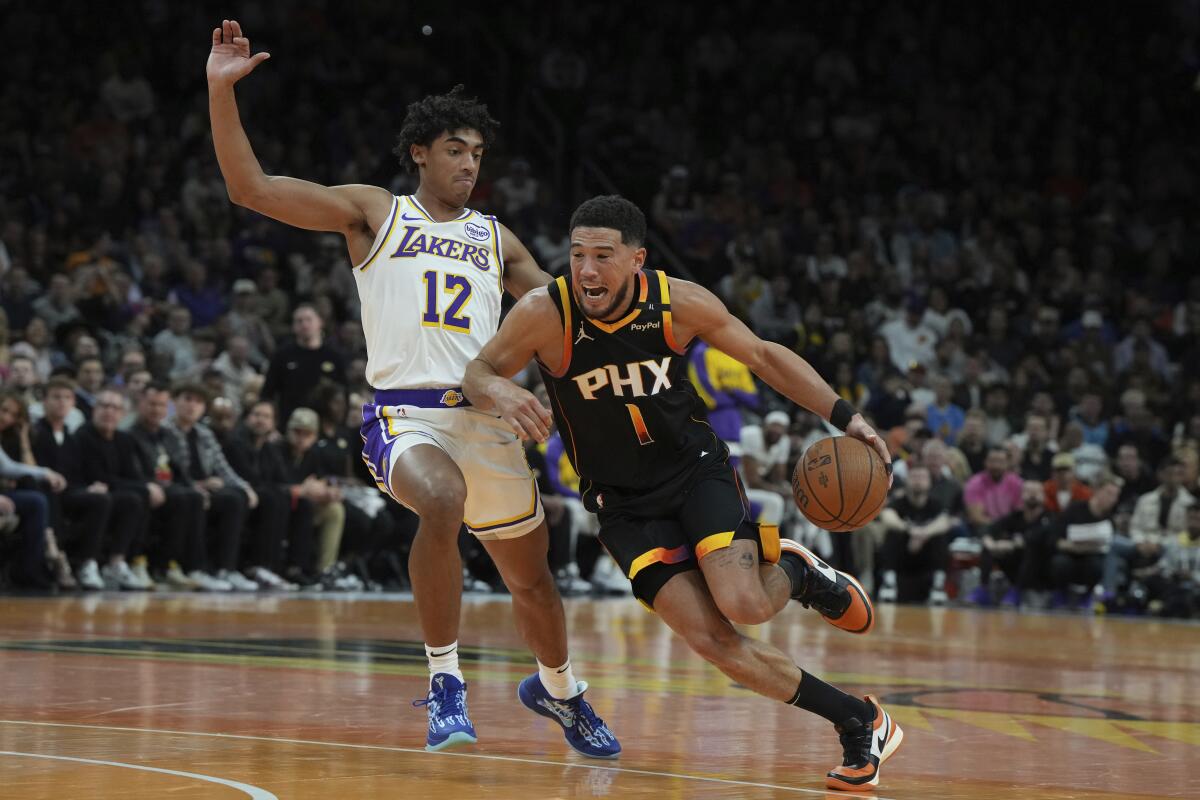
(225, 697)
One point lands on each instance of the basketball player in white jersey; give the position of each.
(430, 275)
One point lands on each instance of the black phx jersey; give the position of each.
(627, 414)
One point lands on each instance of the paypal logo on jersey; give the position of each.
(415, 243)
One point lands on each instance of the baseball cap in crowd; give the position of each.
(244, 286)
(303, 419)
(1091, 319)
(778, 418)
(1063, 461)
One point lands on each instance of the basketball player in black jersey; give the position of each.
(611, 341)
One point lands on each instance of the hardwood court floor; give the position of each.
(225, 697)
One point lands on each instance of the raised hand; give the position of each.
(230, 59)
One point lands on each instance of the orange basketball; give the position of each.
(840, 484)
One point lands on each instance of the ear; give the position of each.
(419, 153)
(639, 258)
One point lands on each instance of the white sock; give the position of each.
(889, 578)
(443, 660)
(559, 681)
(939, 579)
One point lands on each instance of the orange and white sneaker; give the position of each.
(837, 596)
(864, 750)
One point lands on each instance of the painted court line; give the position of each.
(450, 753)
(254, 792)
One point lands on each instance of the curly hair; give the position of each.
(614, 212)
(436, 114)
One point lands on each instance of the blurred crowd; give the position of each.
(977, 221)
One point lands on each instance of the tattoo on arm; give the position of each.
(746, 560)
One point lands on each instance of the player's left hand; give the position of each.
(859, 429)
(524, 412)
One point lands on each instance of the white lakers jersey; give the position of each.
(430, 296)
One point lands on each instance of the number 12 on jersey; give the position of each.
(451, 319)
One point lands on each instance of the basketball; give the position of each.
(840, 484)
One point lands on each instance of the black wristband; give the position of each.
(841, 414)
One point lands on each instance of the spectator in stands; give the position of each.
(1088, 414)
(943, 416)
(1035, 446)
(89, 378)
(1021, 544)
(1064, 488)
(308, 469)
(174, 343)
(83, 511)
(57, 307)
(766, 452)
(244, 321)
(726, 386)
(228, 498)
(909, 340)
(1082, 535)
(1174, 582)
(285, 511)
(914, 557)
(297, 367)
(972, 439)
(1157, 516)
(109, 457)
(997, 424)
(180, 519)
(993, 493)
(1136, 476)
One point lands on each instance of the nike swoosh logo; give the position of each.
(820, 566)
(412, 219)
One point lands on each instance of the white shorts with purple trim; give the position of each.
(502, 494)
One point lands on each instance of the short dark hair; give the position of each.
(60, 382)
(436, 114)
(192, 388)
(614, 212)
(157, 387)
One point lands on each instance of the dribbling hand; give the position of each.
(859, 429)
(230, 59)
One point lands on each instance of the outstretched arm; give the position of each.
(698, 312)
(521, 271)
(356, 211)
(529, 330)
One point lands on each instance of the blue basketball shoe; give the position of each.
(448, 721)
(583, 730)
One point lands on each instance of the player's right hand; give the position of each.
(230, 59)
(524, 412)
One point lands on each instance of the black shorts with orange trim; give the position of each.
(657, 534)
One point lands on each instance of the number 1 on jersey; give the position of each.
(639, 425)
(457, 285)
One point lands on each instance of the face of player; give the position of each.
(603, 270)
(450, 165)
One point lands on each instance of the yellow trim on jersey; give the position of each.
(768, 536)
(508, 520)
(664, 291)
(568, 327)
(716, 541)
(391, 223)
(499, 251)
(613, 327)
(412, 201)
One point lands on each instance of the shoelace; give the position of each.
(591, 727)
(823, 594)
(454, 702)
(856, 746)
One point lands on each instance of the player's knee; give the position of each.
(531, 582)
(441, 502)
(716, 645)
(746, 608)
